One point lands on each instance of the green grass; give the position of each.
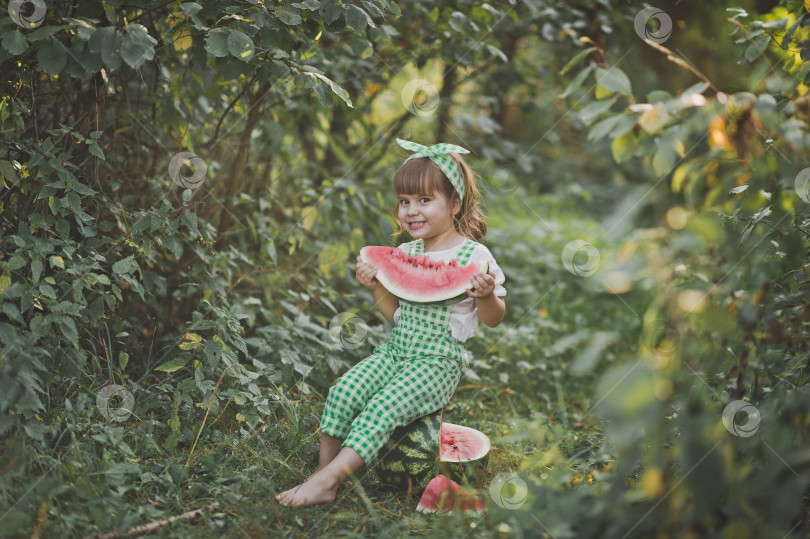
(363, 508)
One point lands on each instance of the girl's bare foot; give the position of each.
(317, 489)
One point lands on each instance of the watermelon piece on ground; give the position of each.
(444, 494)
(419, 278)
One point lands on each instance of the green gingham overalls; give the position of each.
(413, 374)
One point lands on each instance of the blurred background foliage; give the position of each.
(217, 285)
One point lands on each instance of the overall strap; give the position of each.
(417, 247)
(463, 254)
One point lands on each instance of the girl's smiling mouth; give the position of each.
(416, 224)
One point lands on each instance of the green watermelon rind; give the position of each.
(401, 294)
(401, 460)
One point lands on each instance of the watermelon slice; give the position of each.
(444, 494)
(418, 452)
(419, 278)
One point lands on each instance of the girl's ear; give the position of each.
(456, 205)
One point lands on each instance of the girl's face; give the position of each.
(425, 215)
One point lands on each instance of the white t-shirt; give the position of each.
(464, 314)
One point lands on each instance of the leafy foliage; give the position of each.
(184, 186)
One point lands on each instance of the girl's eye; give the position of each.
(425, 198)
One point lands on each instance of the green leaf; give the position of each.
(336, 88)
(330, 11)
(190, 8)
(57, 261)
(612, 125)
(216, 43)
(663, 160)
(357, 19)
(111, 48)
(576, 59)
(124, 266)
(16, 262)
(623, 147)
(240, 45)
(325, 95)
(289, 15)
(595, 109)
(45, 31)
(759, 46)
(96, 150)
(36, 270)
(47, 290)
(137, 46)
(123, 359)
(792, 30)
(35, 430)
(577, 81)
(69, 329)
(8, 171)
(174, 365)
(52, 56)
(279, 69)
(613, 79)
(361, 47)
(14, 42)
(190, 341)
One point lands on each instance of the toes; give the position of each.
(287, 496)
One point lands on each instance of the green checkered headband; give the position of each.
(439, 154)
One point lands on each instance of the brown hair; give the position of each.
(422, 175)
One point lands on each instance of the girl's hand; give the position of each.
(366, 274)
(484, 284)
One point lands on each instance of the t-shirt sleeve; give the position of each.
(482, 253)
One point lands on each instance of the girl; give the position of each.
(418, 369)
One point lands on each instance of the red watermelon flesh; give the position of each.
(462, 444)
(443, 494)
(420, 278)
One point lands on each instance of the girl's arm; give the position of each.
(491, 308)
(386, 302)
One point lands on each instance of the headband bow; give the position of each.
(439, 154)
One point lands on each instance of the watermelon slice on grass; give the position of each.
(419, 278)
(418, 452)
(444, 494)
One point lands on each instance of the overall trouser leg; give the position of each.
(419, 388)
(353, 390)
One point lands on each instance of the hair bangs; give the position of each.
(417, 177)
